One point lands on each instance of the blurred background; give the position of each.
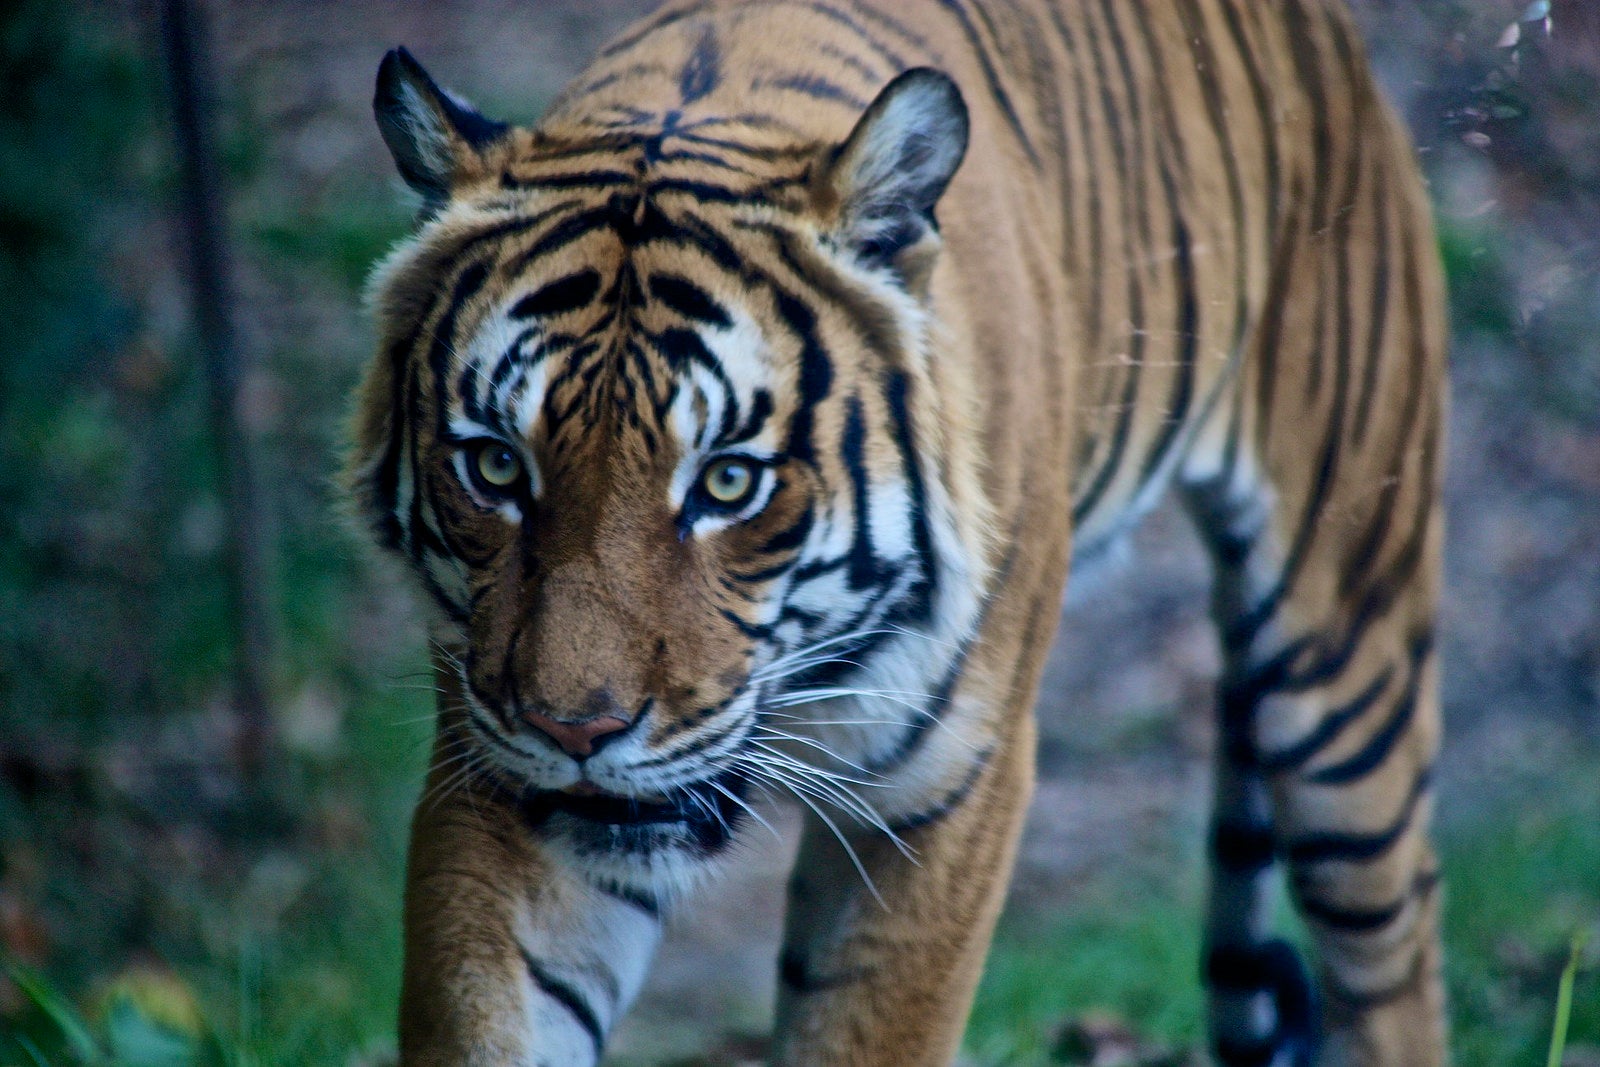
(200, 856)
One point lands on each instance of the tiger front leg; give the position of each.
(885, 974)
(513, 955)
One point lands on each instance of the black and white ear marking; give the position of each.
(433, 136)
(896, 164)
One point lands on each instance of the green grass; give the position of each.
(1131, 951)
(1521, 884)
(1520, 888)
(296, 962)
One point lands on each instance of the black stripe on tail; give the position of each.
(1273, 968)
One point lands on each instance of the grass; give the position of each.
(296, 961)
(1522, 885)
(1130, 951)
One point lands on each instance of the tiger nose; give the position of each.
(580, 740)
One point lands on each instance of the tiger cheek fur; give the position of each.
(743, 420)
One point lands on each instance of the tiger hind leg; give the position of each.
(1317, 493)
(1327, 739)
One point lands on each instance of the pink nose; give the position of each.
(577, 739)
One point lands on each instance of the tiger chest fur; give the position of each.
(742, 420)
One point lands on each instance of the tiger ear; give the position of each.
(436, 139)
(881, 185)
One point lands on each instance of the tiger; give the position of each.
(742, 420)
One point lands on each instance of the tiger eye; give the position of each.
(729, 482)
(498, 466)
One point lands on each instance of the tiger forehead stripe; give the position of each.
(688, 300)
(570, 293)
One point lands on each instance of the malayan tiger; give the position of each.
(744, 418)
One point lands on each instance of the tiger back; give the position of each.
(742, 422)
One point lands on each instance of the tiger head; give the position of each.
(653, 420)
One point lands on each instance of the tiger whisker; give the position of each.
(749, 810)
(765, 745)
(829, 787)
(773, 734)
(814, 649)
(800, 697)
(789, 670)
(855, 860)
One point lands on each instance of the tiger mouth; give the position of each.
(619, 810)
(706, 811)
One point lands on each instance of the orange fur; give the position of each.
(1186, 244)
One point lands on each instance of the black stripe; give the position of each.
(792, 537)
(565, 294)
(1135, 227)
(442, 348)
(947, 803)
(1086, 139)
(1206, 63)
(760, 411)
(589, 88)
(1372, 755)
(680, 348)
(1340, 227)
(865, 36)
(661, 21)
(1331, 845)
(1364, 550)
(1266, 117)
(1309, 66)
(568, 997)
(765, 574)
(383, 490)
(1350, 920)
(816, 87)
(1241, 846)
(706, 192)
(582, 179)
(796, 974)
(1240, 968)
(568, 230)
(1237, 1052)
(816, 374)
(1332, 725)
(1243, 631)
(688, 299)
(1268, 343)
(1177, 412)
(695, 233)
(992, 78)
(918, 605)
(853, 63)
(702, 73)
(748, 629)
(1048, 98)
(898, 28)
(864, 572)
(639, 898)
(1378, 313)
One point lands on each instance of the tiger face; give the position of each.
(654, 493)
